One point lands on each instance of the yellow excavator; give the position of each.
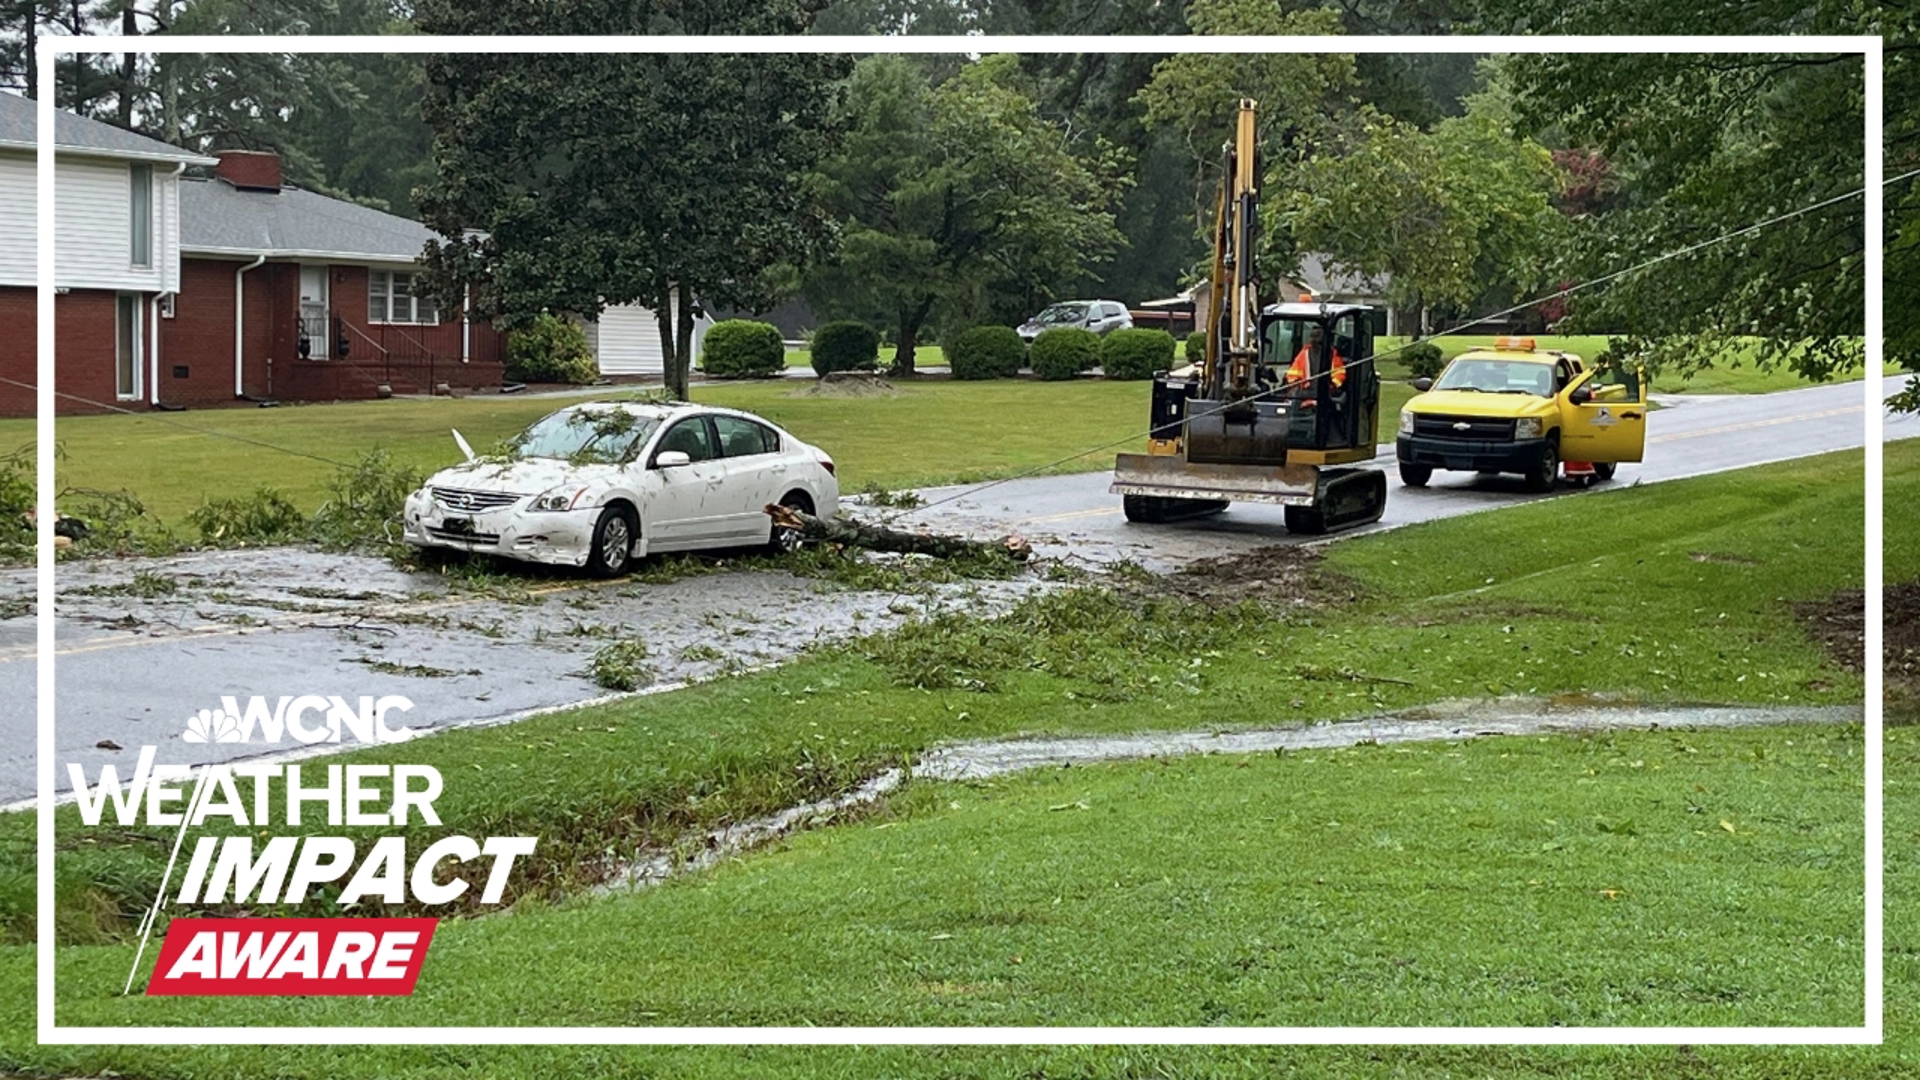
(1285, 406)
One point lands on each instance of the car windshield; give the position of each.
(1062, 313)
(1498, 377)
(586, 436)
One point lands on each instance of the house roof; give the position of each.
(78, 134)
(218, 219)
(1321, 279)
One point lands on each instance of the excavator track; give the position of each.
(1343, 499)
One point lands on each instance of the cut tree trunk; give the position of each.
(880, 538)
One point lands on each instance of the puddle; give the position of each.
(1440, 722)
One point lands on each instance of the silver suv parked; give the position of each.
(1099, 316)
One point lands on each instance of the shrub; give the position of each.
(1064, 352)
(743, 349)
(846, 345)
(550, 349)
(1423, 359)
(365, 500)
(1136, 353)
(264, 517)
(986, 352)
(1196, 347)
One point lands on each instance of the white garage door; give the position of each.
(630, 341)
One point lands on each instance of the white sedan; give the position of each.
(601, 484)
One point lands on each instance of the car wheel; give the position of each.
(1546, 467)
(1415, 475)
(784, 541)
(1603, 471)
(613, 538)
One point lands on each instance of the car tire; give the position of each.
(787, 541)
(613, 539)
(1541, 474)
(1415, 475)
(1603, 471)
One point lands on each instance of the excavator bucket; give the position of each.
(1170, 476)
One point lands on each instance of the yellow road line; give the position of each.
(1749, 425)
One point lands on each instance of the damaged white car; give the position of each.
(602, 484)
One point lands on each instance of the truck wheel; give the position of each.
(1541, 476)
(1603, 471)
(1415, 475)
(613, 538)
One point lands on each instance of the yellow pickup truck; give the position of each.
(1515, 408)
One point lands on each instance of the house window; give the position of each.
(141, 211)
(126, 346)
(396, 298)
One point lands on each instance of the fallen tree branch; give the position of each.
(860, 534)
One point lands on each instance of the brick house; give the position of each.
(256, 290)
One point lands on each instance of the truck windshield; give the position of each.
(1498, 377)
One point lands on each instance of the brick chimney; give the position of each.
(249, 170)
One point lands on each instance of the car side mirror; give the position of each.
(1423, 384)
(1582, 394)
(671, 459)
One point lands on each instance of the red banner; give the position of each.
(291, 956)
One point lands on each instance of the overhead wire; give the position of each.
(1558, 293)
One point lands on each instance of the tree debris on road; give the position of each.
(853, 533)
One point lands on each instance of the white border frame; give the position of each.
(1868, 1034)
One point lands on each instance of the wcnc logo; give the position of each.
(309, 718)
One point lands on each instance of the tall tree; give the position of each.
(948, 193)
(569, 183)
(1304, 99)
(1703, 146)
(1439, 215)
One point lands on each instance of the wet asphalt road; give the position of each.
(130, 670)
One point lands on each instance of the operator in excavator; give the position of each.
(1296, 380)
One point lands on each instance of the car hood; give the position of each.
(1475, 403)
(527, 476)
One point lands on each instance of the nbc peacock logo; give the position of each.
(306, 718)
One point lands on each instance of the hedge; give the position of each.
(1423, 359)
(1064, 352)
(1136, 353)
(550, 349)
(1196, 347)
(986, 352)
(743, 349)
(846, 345)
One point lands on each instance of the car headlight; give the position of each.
(558, 498)
(1406, 421)
(1527, 427)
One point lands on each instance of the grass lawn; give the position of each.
(1366, 884)
(929, 433)
(1519, 881)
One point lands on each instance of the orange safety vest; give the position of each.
(1297, 371)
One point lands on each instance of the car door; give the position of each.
(687, 508)
(756, 475)
(1603, 416)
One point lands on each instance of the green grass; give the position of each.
(1571, 877)
(929, 433)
